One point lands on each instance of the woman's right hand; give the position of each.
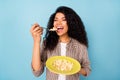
(36, 32)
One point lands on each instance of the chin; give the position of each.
(59, 34)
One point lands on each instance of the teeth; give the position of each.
(59, 27)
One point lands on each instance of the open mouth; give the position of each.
(59, 28)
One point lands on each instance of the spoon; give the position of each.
(52, 29)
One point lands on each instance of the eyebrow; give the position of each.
(62, 18)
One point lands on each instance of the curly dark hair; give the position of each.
(76, 28)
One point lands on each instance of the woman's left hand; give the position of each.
(83, 72)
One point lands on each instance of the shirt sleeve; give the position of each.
(38, 72)
(43, 60)
(85, 64)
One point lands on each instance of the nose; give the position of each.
(59, 22)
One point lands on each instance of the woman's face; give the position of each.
(61, 24)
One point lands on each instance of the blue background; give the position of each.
(101, 19)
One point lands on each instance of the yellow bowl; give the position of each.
(75, 68)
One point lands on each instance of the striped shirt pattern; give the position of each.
(75, 50)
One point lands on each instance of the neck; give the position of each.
(64, 39)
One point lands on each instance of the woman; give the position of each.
(69, 39)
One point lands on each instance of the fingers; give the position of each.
(34, 26)
(36, 29)
(37, 32)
